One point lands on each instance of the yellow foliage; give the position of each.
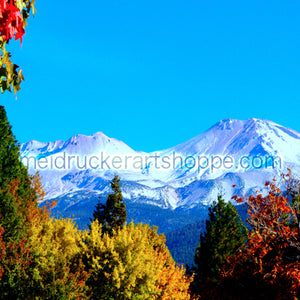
(53, 240)
(55, 243)
(133, 263)
(49, 238)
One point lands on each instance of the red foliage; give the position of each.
(11, 21)
(15, 264)
(272, 253)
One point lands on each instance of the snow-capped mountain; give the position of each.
(245, 153)
(77, 144)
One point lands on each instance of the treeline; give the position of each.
(46, 258)
(183, 242)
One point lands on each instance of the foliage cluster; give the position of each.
(13, 19)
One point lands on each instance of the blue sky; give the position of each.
(155, 73)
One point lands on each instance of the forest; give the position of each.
(43, 257)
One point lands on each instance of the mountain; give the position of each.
(183, 179)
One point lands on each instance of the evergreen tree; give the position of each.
(111, 215)
(225, 235)
(15, 184)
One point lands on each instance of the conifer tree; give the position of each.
(111, 215)
(15, 184)
(225, 235)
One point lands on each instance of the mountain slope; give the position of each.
(245, 153)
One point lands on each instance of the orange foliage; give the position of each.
(272, 253)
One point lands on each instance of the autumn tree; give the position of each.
(40, 264)
(225, 235)
(292, 186)
(54, 244)
(17, 258)
(16, 191)
(16, 262)
(20, 221)
(269, 266)
(132, 263)
(13, 19)
(112, 214)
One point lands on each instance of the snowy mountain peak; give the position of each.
(100, 134)
(77, 144)
(237, 138)
(32, 144)
(234, 124)
(177, 185)
(226, 124)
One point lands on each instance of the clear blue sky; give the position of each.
(155, 73)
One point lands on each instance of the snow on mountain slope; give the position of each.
(72, 165)
(256, 151)
(237, 139)
(77, 144)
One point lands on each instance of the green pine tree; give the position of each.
(15, 184)
(225, 235)
(111, 215)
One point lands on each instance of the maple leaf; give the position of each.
(11, 21)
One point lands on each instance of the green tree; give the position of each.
(225, 235)
(18, 205)
(16, 192)
(111, 215)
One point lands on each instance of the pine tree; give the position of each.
(111, 215)
(15, 184)
(225, 235)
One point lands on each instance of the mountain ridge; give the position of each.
(180, 185)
